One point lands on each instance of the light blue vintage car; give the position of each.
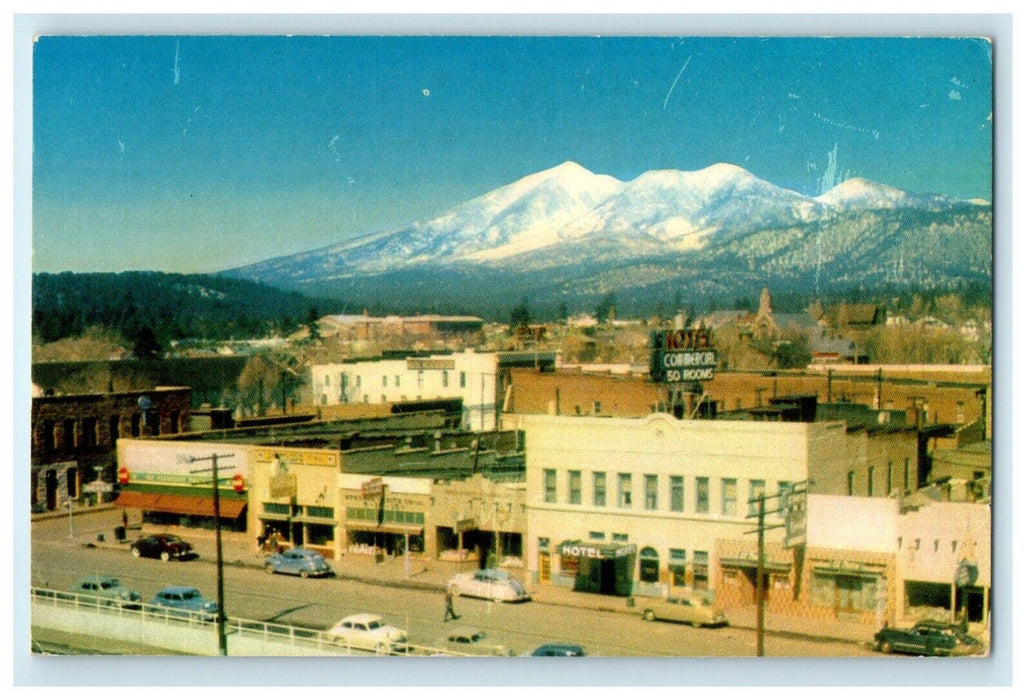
(300, 562)
(185, 601)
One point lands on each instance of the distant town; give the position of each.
(822, 477)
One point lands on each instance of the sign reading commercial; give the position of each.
(421, 363)
(682, 356)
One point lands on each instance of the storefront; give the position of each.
(739, 578)
(851, 589)
(596, 567)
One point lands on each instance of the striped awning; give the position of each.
(184, 505)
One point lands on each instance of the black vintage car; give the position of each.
(163, 546)
(928, 638)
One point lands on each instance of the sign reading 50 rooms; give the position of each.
(682, 356)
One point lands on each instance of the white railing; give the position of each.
(194, 632)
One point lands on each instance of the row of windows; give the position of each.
(397, 380)
(650, 493)
(851, 479)
(86, 433)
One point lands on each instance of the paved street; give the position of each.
(416, 604)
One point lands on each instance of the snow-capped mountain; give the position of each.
(718, 223)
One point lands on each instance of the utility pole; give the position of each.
(220, 616)
(761, 501)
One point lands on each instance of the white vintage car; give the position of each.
(368, 631)
(492, 584)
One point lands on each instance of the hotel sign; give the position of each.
(587, 552)
(682, 356)
(420, 363)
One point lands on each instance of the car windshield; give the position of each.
(188, 595)
(172, 538)
(108, 584)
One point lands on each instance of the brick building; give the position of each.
(74, 436)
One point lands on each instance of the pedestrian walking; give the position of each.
(450, 613)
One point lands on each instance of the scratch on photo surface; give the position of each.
(845, 125)
(676, 79)
(175, 67)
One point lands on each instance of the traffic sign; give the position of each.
(123, 475)
(238, 483)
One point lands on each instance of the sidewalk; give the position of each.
(240, 550)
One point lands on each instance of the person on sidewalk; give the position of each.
(450, 613)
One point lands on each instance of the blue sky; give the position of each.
(200, 153)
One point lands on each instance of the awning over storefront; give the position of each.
(184, 505)
(391, 528)
(595, 550)
(849, 568)
(778, 567)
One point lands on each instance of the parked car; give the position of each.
(928, 638)
(108, 590)
(692, 608)
(368, 631)
(300, 562)
(559, 649)
(493, 584)
(162, 546)
(185, 601)
(471, 642)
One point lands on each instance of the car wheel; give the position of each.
(165, 556)
(303, 573)
(885, 648)
(649, 615)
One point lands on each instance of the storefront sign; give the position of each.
(373, 487)
(420, 363)
(98, 487)
(465, 525)
(682, 356)
(795, 510)
(588, 552)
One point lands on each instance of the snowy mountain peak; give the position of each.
(859, 192)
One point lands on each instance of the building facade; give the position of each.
(74, 436)
(651, 498)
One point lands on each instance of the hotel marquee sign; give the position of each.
(682, 356)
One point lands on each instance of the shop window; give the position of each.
(320, 535)
(549, 476)
(700, 570)
(624, 490)
(756, 493)
(650, 492)
(599, 488)
(320, 511)
(677, 566)
(702, 494)
(728, 488)
(574, 488)
(677, 494)
(649, 565)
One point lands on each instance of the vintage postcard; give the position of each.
(410, 345)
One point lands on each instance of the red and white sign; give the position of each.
(123, 475)
(238, 483)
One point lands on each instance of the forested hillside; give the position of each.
(164, 306)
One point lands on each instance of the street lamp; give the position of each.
(220, 619)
